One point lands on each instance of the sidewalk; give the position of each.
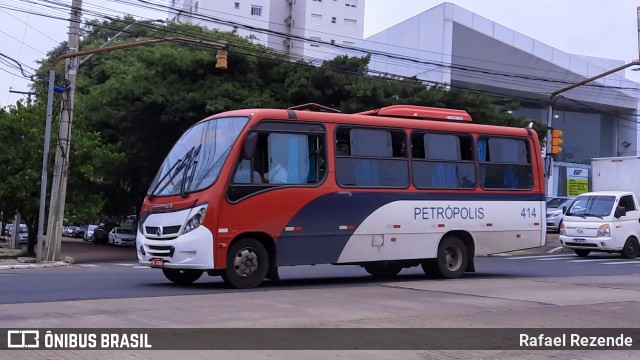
(73, 251)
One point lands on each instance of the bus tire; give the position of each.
(630, 249)
(182, 276)
(383, 270)
(247, 264)
(582, 252)
(450, 262)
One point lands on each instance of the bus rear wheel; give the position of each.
(247, 264)
(383, 270)
(182, 276)
(451, 260)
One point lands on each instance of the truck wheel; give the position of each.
(630, 249)
(451, 261)
(582, 252)
(182, 276)
(383, 270)
(247, 264)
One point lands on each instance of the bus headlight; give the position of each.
(194, 220)
(603, 230)
(561, 229)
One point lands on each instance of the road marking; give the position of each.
(88, 265)
(550, 259)
(130, 264)
(142, 267)
(554, 250)
(588, 260)
(622, 262)
(539, 256)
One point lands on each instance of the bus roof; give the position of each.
(399, 116)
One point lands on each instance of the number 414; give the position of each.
(528, 212)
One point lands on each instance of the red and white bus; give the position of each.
(245, 192)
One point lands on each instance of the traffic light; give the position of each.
(556, 142)
(221, 59)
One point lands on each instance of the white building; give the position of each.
(295, 27)
(451, 45)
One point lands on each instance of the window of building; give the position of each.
(256, 10)
(348, 43)
(196, 7)
(333, 19)
(333, 42)
(367, 157)
(285, 155)
(443, 161)
(350, 24)
(313, 43)
(173, 3)
(236, 5)
(504, 163)
(316, 19)
(317, 0)
(351, 3)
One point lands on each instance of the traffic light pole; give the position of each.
(554, 96)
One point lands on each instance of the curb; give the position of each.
(33, 266)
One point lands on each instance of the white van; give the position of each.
(606, 221)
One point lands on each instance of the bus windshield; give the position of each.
(195, 161)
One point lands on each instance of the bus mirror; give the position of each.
(250, 146)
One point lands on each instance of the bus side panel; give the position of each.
(370, 226)
(413, 229)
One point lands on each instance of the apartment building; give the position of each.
(300, 28)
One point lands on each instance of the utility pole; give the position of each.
(61, 167)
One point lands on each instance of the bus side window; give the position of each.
(370, 157)
(443, 161)
(505, 163)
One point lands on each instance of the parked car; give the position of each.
(122, 236)
(67, 231)
(555, 212)
(101, 233)
(88, 233)
(77, 232)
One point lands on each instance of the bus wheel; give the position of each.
(247, 264)
(582, 252)
(630, 249)
(182, 276)
(383, 270)
(451, 261)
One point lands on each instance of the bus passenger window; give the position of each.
(505, 163)
(369, 157)
(443, 161)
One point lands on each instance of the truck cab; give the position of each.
(607, 221)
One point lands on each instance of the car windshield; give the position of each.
(598, 206)
(195, 161)
(125, 231)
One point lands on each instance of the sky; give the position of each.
(599, 28)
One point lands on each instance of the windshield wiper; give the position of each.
(188, 165)
(175, 168)
(594, 215)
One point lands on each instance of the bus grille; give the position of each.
(155, 250)
(157, 232)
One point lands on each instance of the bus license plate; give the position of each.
(157, 263)
(580, 241)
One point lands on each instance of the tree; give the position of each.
(22, 135)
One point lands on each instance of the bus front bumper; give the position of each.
(193, 250)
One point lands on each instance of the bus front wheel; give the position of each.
(247, 264)
(451, 260)
(383, 270)
(182, 276)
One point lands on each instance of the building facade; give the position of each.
(452, 46)
(303, 29)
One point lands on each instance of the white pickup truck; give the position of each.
(606, 221)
